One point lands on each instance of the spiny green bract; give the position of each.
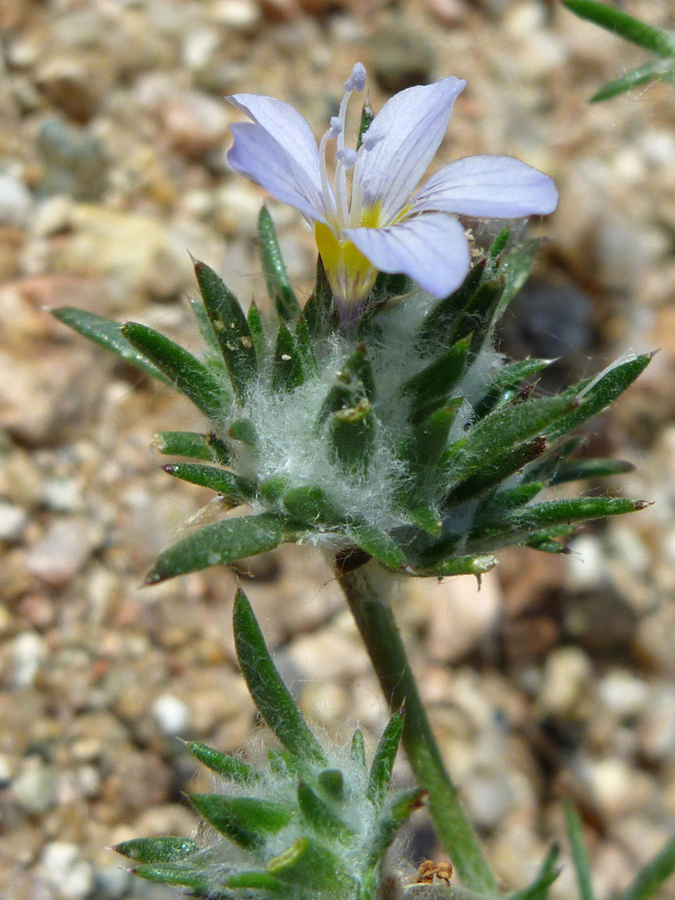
(312, 823)
(407, 438)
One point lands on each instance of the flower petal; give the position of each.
(431, 249)
(291, 132)
(488, 186)
(256, 154)
(406, 134)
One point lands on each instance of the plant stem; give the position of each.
(382, 638)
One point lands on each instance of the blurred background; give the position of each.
(556, 679)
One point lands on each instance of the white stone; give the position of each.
(585, 564)
(15, 200)
(28, 649)
(171, 714)
(567, 681)
(13, 520)
(65, 870)
(622, 693)
(240, 15)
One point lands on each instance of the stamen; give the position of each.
(357, 80)
(347, 156)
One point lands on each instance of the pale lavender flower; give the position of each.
(371, 221)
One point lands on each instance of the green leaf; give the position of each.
(522, 522)
(507, 383)
(319, 310)
(108, 334)
(255, 323)
(548, 873)
(650, 878)
(383, 761)
(582, 865)
(657, 70)
(244, 430)
(440, 325)
(276, 277)
(157, 850)
(515, 268)
(457, 565)
(358, 749)
(231, 328)
(303, 339)
(494, 474)
(288, 368)
(498, 246)
(178, 875)
(245, 820)
(393, 817)
(310, 506)
(185, 372)
(332, 783)
(479, 317)
(505, 501)
(222, 763)
(204, 325)
(623, 25)
(367, 116)
(598, 393)
(208, 447)
(269, 693)
(431, 387)
(352, 438)
(321, 818)
(219, 544)
(256, 881)
(309, 865)
(581, 469)
(378, 544)
(354, 382)
(233, 488)
(496, 434)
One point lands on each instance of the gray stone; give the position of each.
(36, 789)
(64, 869)
(13, 521)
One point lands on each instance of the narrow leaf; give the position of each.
(288, 368)
(367, 116)
(276, 277)
(378, 544)
(579, 469)
(352, 438)
(650, 878)
(333, 784)
(310, 506)
(507, 382)
(383, 761)
(623, 25)
(657, 70)
(319, 310)
(256, 881)
(493, 475)
(204, 325)
(303, 340)
(185, 372)
(175, 874)
(219, 544)
(601, 391)
(245, 820)
(309, 865)
(582, 865)
(440, 325)
(393, 817)
(107, 334)
(504, 502)
(157, 850)
(432, 387)
(320, 817)
(191, 444)
(548, 873)
(233, 488)
(231, 328)
(458, 565)
(222, 763)
(269, 693)
(358, 749)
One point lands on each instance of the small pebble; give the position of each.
(13, 521)
(171, 714)
(65, 870)
(36, 789)
(28, 650)
(15, 200)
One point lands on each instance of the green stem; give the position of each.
(382, 638)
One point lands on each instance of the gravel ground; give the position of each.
(557, 678)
